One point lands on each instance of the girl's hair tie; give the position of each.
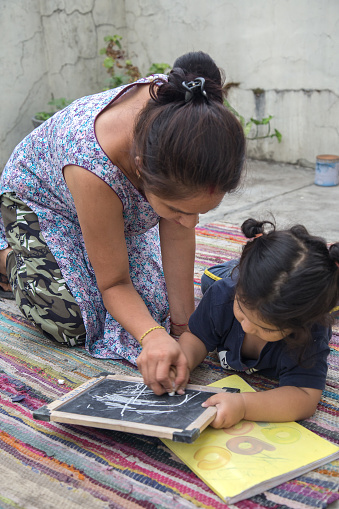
(193, 88)
(258, 235)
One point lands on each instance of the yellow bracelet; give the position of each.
(150, 330)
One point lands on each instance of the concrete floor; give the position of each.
(286, 191)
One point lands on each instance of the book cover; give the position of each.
(251, 457)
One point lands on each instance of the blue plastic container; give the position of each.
(327, 171)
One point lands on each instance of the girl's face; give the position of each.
(251, 323)
(185, 211)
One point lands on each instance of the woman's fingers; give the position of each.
(163, 366)
(182, 374)
(148, 371)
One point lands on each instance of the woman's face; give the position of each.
(251, 323)
(185, 211)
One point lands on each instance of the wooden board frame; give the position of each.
(189, 433)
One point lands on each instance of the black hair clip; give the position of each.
(194, 87)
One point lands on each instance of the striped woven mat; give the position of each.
(45, 465)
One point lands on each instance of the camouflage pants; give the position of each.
(38, 286)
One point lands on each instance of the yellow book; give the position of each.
(252, 457)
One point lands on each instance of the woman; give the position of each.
(81, 198)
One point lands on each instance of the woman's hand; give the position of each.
(230, 409)
(162, 356)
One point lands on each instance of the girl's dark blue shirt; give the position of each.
(214, 323)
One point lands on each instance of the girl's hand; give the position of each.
(160, 354)
(283, 404)
(230, 409)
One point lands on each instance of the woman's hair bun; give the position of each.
(199, 64)
(188, 68)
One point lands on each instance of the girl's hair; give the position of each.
(186, 146)
(289, 277)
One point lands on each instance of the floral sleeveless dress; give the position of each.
(35, 173)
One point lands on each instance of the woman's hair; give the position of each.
(289, 277)
(188, 142)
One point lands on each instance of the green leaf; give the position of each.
(247, 128)
(278, 135)
(116, 39)
(59, 103)
(116, 81)
(255, 121)
(44, 115)
(159, 68)
(242, 120)
(109, 63)
(266, 120)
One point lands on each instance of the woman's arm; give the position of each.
(177, 249)
(100, 215)
(178, 253)
(283, 404)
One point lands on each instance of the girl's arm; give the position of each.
(178, 252)
(100, 215)
(282, 404)
(193, 348)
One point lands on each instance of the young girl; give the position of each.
(271, 313)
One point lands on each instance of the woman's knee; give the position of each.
(67, 329)
(45, 300)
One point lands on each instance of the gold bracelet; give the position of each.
(150, 330)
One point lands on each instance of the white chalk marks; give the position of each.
(140, 399)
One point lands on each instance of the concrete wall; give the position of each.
(50, 48)
(283, 53)
(289, 49)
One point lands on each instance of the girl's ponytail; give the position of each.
(334, 254)
(252, 228)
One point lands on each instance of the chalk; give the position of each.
(61, 382)
(19, 397)
(172, 393)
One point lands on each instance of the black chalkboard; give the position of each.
(134, 401)
(127, 404)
